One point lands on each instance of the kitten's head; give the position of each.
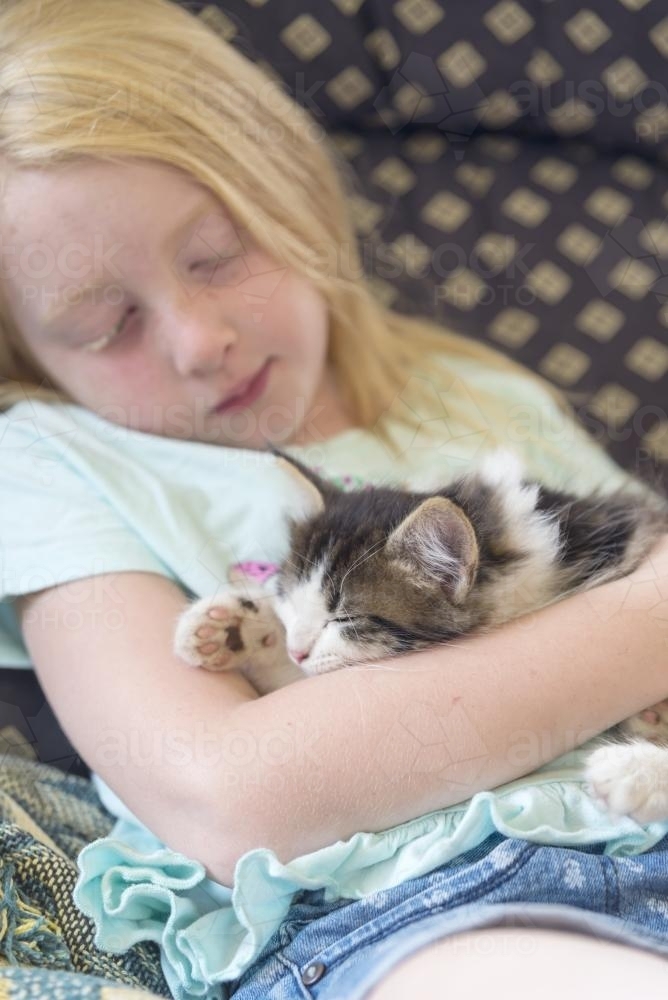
(372, 573)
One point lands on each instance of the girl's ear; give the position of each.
(437, 543)
(313, 489)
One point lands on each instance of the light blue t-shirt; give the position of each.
(80, 496)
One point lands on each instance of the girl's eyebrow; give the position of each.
(82, 292)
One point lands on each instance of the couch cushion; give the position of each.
(549, 251)
(596, 70)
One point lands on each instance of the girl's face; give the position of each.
(183, 307)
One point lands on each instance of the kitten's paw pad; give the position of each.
(630, 780)
(222, 632)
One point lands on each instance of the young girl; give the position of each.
(180, 288)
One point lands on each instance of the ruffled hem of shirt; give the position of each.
(134, 888)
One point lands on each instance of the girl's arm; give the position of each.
(369, 748)
(155, 730)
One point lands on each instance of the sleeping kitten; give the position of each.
(378, 572)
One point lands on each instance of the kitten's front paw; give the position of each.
(630, 779)
(223, 632)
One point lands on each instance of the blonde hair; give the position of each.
(147, 79)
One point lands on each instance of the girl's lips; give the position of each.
(255, 389)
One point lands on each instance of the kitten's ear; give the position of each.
(438, 542)
(313, 489)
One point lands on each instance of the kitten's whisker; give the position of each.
(372, 665)
(365, 555)
(310, 562)
(289, 563)
(352, 623)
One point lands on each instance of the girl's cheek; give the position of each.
(121, 378)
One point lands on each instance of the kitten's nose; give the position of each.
(298, 655)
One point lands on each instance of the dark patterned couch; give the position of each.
(507, 161)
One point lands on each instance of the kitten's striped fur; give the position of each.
(378, 572)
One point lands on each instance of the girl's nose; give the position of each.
(200, 351)
(198, 337)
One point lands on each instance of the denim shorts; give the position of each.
(338, 950)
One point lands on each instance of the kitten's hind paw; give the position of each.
(630, 779)
(224, 631)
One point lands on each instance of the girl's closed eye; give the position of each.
(113, 335)
(219, 265)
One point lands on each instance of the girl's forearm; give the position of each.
(368, 748)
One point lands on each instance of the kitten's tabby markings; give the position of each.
(373, 573)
